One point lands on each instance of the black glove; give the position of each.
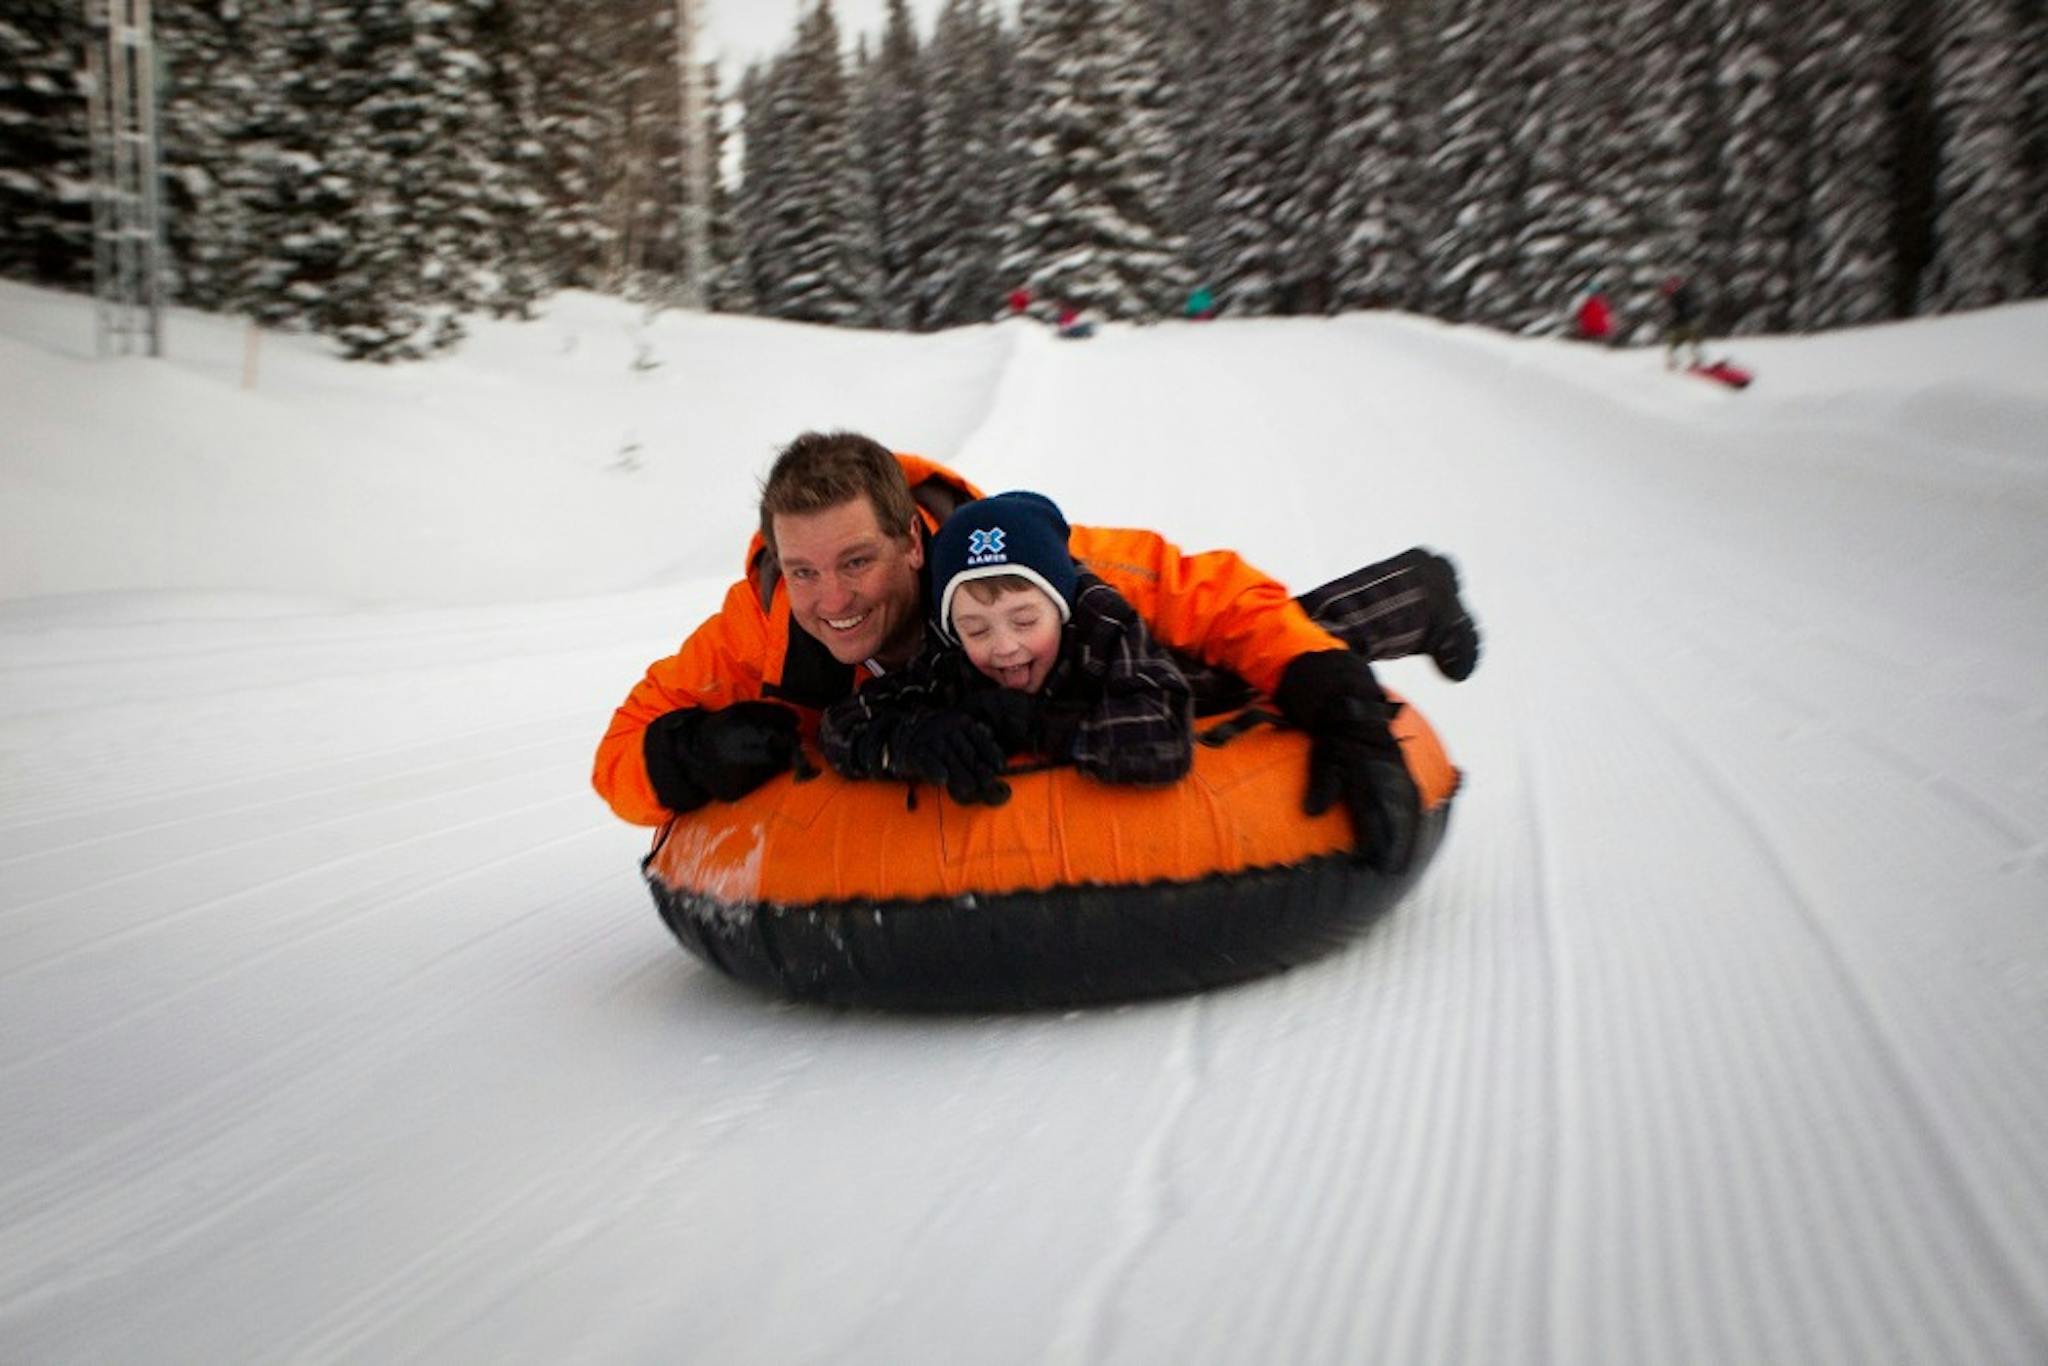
(696, 756)
(1334, 697)
(955, 750)
(1011, 716)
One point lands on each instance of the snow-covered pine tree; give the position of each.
(1005, 95)
(1756, 198)
(890, 120)
(864, 135)
(1480, 68)
(297, 200)
(1141, 167)
(607, 124)
(1085, 230)
(569, 43)
(1307, 178)
(641, 191)
(2034, 60)
(1377, 188)
(1199, 73)
(1982, 219)
(241, 161)
(1237, 251)
(1663, 171)
(513, 269)
(1579, 217)
(389, 298)
(45, 156)
(822, 234)
(214, 100)
(728, 279)
(961, 191)
(419, 146)
(1846, 264)
(763, 261)
(377, 224)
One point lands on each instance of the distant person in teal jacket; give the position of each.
(1201, 304)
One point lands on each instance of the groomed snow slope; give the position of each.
(335, 1024)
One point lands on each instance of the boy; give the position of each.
(1032, 654)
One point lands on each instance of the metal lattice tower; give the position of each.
(127, 198)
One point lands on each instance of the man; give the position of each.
(834, 592)
(1686, 330)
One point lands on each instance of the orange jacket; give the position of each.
(1212, 605)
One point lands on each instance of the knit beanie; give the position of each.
(1012, 533)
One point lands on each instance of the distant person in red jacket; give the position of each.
(1596, 319)
(1020, 301)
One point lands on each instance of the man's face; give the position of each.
(852, 584)
(1015, 640)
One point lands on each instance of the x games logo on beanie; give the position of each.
(1016, 533)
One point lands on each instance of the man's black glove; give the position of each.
(1334, 697)
(696, 756)
(955, 750)
(1011, 716)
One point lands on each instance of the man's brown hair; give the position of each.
(821, 470)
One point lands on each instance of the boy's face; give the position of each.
(1014, 640)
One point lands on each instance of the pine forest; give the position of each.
(376, 170)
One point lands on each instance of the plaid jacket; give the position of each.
(1116, 705)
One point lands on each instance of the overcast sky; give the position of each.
(739, 31)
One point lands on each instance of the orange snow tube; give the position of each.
(1072, 891)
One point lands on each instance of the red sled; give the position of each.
(1726, 372)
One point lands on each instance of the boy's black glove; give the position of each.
(1026, 723)
(696, 756)
(1011, 716)
(1334, 697)
(954, 750)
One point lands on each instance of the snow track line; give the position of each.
(940, 1209)
(129, 1260)
(214, 690)
(1013, 374)
(1664, 1088)
(320, 929)
(160, 920)
(1088, 1325)
(1840, 1274)
(279, 807)
(441, 1270)
(133, 1218)
(1562, 1079)
(165, 1134)
(1978, 807)
(324, 930)
(1888, 1325)
(383, 658)
(456, 624)
(616, 1205)
(1997, 1255)
(1292, 1103)
(14, 834)
(1326, 1154)
(1444, 1171)
(1367, 1116)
